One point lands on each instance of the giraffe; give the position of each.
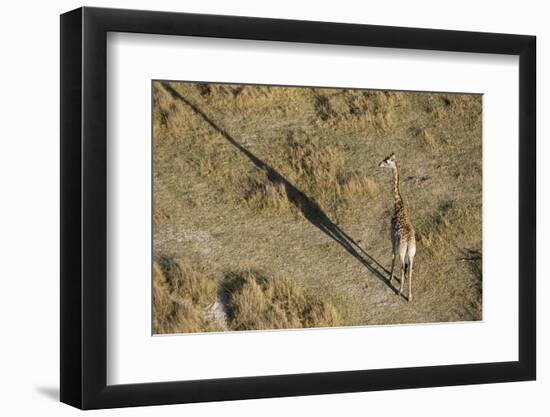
(402, 231)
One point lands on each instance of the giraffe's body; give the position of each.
(402, 231)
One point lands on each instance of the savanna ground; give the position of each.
(270, 210)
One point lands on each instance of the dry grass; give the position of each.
(180, 296)
(318, 170)
(257, 301)
(184, 298)
(448, 232)
(376, 111)
(321, 172)
(451, 240)
(238, 169)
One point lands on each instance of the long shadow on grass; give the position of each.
(309, 208)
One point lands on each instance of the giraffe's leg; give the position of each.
(411, 251)
(402, 251)
(392, 265)
(402, 278)
(410, 278)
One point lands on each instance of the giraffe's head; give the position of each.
(388, 162)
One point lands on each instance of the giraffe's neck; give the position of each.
(396, 190)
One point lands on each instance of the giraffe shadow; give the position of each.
(308, 207)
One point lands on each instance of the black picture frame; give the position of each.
(84, 207)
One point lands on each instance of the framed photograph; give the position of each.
(257, 208)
